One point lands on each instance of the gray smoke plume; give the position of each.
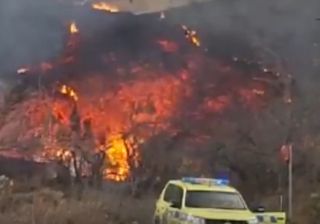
(33, 31)
(286, 29)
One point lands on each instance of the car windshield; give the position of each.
(213, 199)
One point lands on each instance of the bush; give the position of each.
(47, 206)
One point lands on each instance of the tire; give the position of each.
(156, 220)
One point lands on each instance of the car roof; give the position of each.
(203, 187)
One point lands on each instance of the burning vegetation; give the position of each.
(94, 92)
(113, 89)
(103, 6)
(73, 28)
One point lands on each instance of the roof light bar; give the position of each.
(208, 181)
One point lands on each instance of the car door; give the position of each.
(162, 205)
(173, 197)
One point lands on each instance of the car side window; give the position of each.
(168, 193)
(173, 194)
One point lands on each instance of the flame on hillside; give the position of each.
(69, 91)
(191, 35)
(124, 104)
(118, 156)
(103, 6)
(120, 121)
(73, 28)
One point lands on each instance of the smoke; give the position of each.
(31, 32)
(283, 33)
(282, 30)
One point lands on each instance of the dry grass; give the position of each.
(113, 205)
(52, 207)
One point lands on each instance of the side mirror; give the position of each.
(175, 204)
(259, 209)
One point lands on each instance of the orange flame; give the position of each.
(54, 153)
(105, 7)
(147, 102)
(192, 36)
(117, 155)
(73, 28)
(69, 91)
(145, 107)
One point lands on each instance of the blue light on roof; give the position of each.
(208, 181)
(222, 181)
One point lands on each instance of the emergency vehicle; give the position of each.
(207, 201)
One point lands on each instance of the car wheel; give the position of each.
(156, 220)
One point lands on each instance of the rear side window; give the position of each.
(173, 194)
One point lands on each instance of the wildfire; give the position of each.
(143, 101)
(57, 153)
(144, 105)
(117, 153)
(105, 7)
(69, 91)
(192, 36)
(73, 28)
